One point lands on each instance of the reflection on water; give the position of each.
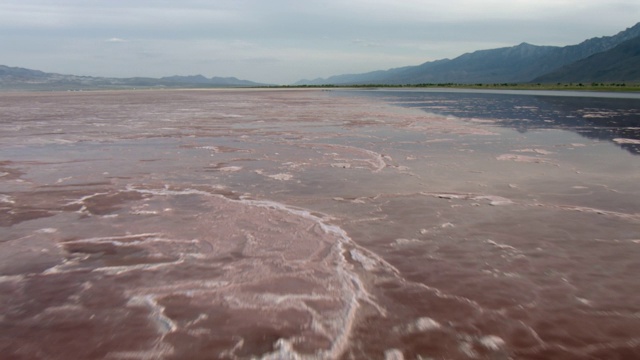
(596, 117)
(244, 224)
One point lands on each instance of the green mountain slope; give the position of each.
(620, 64)
(516, 64)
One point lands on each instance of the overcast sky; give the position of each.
(282, 41)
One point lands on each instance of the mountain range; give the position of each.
(602, 59)
(621, 63)
(16, 78)
(608, 58)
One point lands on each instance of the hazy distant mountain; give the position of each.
(620, 64)
(214, 81)
(391, 76)
(517, 64)
(15, 78)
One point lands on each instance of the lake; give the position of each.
(343, 224)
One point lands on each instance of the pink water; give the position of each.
(238, 224)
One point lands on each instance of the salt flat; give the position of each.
(318, 224)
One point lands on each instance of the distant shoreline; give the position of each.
(605, 87)
(581, 87)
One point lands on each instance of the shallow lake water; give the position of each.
(293, 224)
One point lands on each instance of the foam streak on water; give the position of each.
(337, 327)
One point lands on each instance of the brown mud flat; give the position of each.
(284, 224)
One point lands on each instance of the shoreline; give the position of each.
(621, 87)
(608, 87)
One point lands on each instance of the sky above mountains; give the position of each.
(282, 41)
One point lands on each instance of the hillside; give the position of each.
(517, 64)
(620, 64)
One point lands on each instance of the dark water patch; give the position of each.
(599, 118)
